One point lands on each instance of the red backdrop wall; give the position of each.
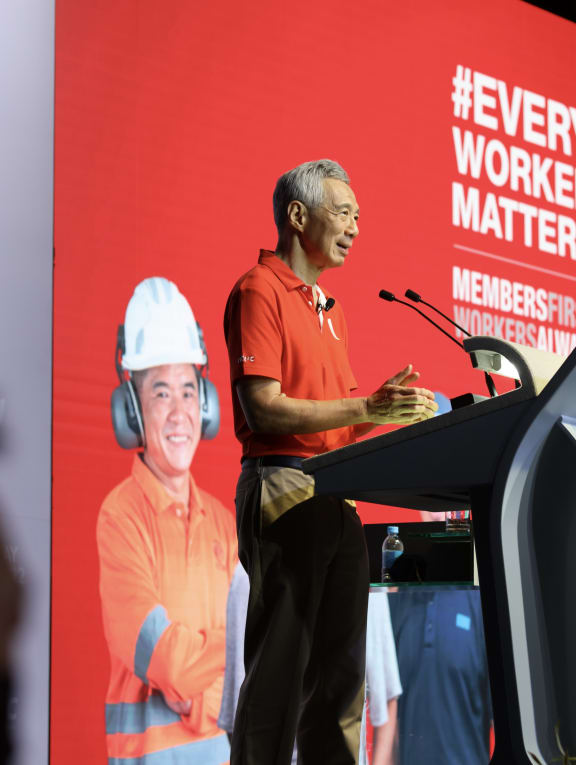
(173, 121)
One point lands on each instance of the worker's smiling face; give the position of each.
(171, 412)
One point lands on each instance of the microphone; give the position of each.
(411, 295)
(328, 305)
(391, 297)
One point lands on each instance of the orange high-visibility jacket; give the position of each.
(164, 579)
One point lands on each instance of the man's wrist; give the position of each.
(360, 410)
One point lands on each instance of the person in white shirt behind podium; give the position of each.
(382, 676)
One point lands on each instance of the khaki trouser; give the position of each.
(306, 625)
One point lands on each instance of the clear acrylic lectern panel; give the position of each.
(512, 459)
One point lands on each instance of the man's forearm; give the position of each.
(268, 410)
(384, 736)
(283, 415)
(185, 663)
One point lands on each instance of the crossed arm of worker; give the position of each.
(187, 667)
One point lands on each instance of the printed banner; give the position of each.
(457, 126)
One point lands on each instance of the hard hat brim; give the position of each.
(134, 364)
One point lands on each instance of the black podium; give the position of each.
(512, 459)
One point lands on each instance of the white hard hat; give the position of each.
(160, 327)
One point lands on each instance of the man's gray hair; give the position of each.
(305, 184)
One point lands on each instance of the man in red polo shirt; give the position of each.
(305, 555)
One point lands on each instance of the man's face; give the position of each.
(330, 229)
(171, 413)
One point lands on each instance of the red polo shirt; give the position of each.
(273, 330)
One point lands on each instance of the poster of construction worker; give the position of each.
(167, 549)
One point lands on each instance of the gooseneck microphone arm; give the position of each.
(418, 299)
(411, 295)
(120, 350)
(385, 295)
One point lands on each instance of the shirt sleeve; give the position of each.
(236, 609)
(382, 675)
(253, 331)
(163, 653)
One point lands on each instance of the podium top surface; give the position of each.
(431, 465)
(409, 432)
(438, 464)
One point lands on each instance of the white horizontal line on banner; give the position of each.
(515, 262)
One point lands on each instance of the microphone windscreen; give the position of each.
(411, 295)
(385, 295)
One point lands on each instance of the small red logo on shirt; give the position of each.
(219, 554)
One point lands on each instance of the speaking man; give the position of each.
(305, 555)
(167, 549)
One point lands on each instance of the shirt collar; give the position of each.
(157, 494)
(284, 272)
(280, 269)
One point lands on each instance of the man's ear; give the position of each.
(297, 214)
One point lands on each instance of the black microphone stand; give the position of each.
(418, 299)
(466, 398)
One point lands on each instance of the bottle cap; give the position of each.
(392, 529)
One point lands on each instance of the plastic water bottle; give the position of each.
(391, 550)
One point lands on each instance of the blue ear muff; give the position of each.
(209, 403)
(209, 408)
(127, 416)
(125, 405)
